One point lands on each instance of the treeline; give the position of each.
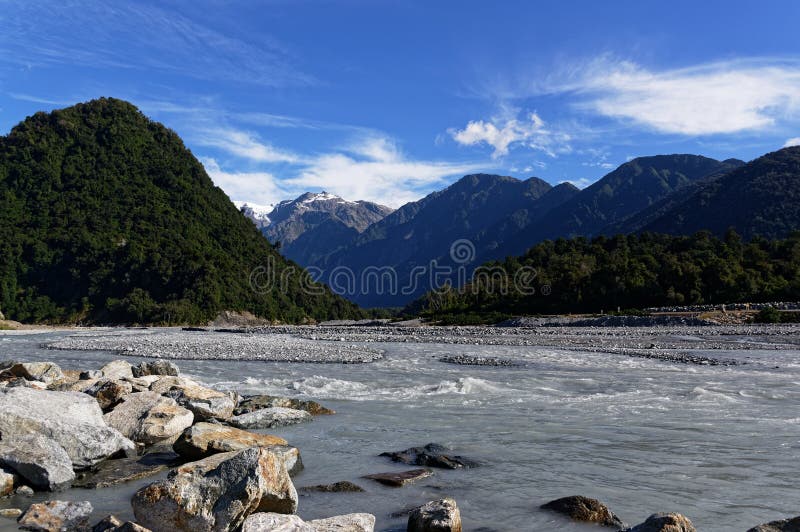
(106, 217)
(636, 271)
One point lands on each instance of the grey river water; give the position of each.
(719, 444)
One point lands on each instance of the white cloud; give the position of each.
(257, 187)
(792, 142)
(374, 169)
(506, 130)
(243, 144)
(724, 97)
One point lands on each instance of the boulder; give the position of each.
(784, 525)
(431, 455)
(74, 420)
(205, 439)
(7, 480)
(109, 522)
(204, 403)
(164, 384)
(146, 417)
(217, 493)
(156, 367)
(258, 402)
(584, 510)
(664, 522)
(42, 462)
(56, 515)
(436, 516)
(337, 487)
(109, 393)
(117, 369)
(10, 513)
(45, 372)
(345, 523)
(273, 522)
(140, 384)
(400, 479)
(268, 418)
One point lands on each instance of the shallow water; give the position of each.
(718, 444)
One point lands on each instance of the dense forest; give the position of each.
(635, 271)
(106, 217)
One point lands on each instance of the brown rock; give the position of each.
(663, 522)
(56, 515)
(585, 510)
(109, 392)
(205, 439)
(784, 525)
(436, 516)
(399, 479)
(257, 402)
(147, 417)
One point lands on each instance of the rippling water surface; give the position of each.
(718, 444)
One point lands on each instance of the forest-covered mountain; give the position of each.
(105, 216)
(314, 225)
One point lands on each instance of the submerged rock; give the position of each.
(56, 515)
(72, 419)
(258, 402)
(337, 487)
(42, 462)
(147, 417)
(121, 470)
(399, 479)
(268, 418)
(217, 493)
(663, 522)
(432, 455)
(205, 439)
(784, 525)
(585, 510)
(436, 516)
(272, 522)
(156, 367)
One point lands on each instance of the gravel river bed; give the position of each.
(698, 420)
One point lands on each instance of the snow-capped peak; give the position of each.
(311, 197)
(257, 213)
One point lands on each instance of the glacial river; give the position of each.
(720, 444)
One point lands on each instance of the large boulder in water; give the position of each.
(205, 439)
(72, 419)
(217, 493)
(148, 418)
(664, 522)
(56, 515)
(42, 462)
(252, 403)
(585, 510)
(436, 516)
(784, 525)
(268, 418)
(272, 522)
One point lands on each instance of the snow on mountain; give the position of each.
(258, 213)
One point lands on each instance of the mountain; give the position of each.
(259, 214)
(419, 236)
(314, 225)
(760, 198)
(106, 217)
(625, 191)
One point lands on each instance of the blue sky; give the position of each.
(387, 101)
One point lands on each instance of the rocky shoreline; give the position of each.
(105, 427)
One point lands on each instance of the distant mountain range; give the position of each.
(497, 216)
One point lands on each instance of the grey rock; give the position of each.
(73, 419)
(45, 372)
(42, 462)
(345, 523)
(122, 470)
(217, 493)
(431, 455)
(56, 515)
(156, 367)
(204, 439)
(147, 417)
(269, 418)
(24, 491)
(273, 522)
(337, 487)
(436, 516)
(10, 513)
(259, 402)
(108, 392)
(109, 522)
(664, 522)
(784, 525)
(585, 510)
(399, 479)
(92, 374)
(205, 403)
(8, 479)
(117, 369)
